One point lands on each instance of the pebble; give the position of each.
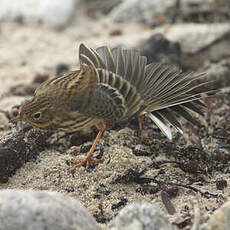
(221, 184)
(220, 220)
(141, 216)
(39, 210)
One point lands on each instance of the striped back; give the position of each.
(121, 69)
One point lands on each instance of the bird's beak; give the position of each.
(16, 119)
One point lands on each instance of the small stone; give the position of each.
(220, 220)
(40, 78)
(61, 68)
(27, 210)
(221, 184)
(115, 32)
(141, 216)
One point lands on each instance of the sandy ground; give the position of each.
(27, 51)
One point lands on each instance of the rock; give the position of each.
(21, 145)
(53, 14)
(220, 220)
(27, 210)
(194, 38)
(8, 163)
(62, 68)
(221, 184)
(200, 42)
(141, 216)
(146, 11)
(192, 45)
(159, 49)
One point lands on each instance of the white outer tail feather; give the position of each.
(163, 127)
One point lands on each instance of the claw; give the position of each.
(90, 158)
(87, 161)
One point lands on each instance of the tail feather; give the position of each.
(194, 108)
(160, 91)
(170, 117)
(167, 116)
(184, 113)
(91, 55)
(177, 96)
(199, 103)
(128, 64)
(106, 55)
(119, 61)
(155, 72)
(160, 122)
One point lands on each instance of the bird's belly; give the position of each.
(76, 121)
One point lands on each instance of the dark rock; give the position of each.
(40, 78)
(120, 204)
(221, 184)
(24, 90)
(159, 49)
(8, 163)
(61, 68)
(21, 145)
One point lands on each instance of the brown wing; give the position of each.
(107, 103)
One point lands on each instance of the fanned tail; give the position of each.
(169, 93)
(166, 91)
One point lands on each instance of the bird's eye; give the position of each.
(37, 115)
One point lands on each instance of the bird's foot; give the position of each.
(88, 160)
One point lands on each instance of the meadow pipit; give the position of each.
(114, 85)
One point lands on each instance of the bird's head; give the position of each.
(36, 112)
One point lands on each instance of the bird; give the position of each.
(114, 85)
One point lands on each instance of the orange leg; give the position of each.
(140, 121)
(89, 158)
